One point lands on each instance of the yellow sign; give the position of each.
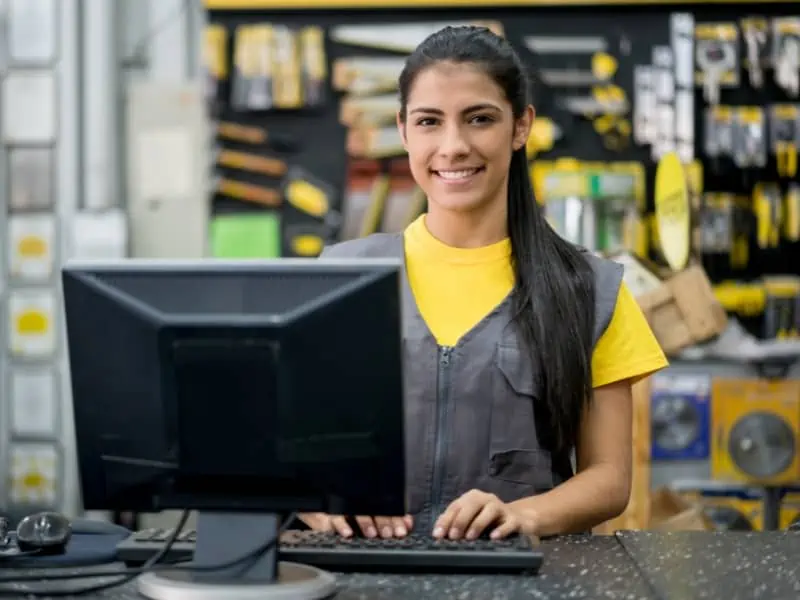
(672, 211)
(378, 4)
(32, 323)
(32, 247)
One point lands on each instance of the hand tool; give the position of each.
(565, 44)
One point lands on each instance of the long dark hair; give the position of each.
(553, 299)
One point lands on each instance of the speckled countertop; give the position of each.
(630, 566)
(579, 567)
(727, 565)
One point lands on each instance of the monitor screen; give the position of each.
(212, 385)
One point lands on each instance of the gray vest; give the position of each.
(471, 409)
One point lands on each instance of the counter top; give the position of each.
(575, 567)
(633, 565)
(731, 565)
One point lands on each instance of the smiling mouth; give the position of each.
(457, 174)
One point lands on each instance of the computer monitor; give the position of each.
(244, 390)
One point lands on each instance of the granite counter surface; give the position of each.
(632, 565)
(731, 565)
(575, 567)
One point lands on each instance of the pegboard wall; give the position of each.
(315, 139)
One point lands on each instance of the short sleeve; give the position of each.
(628, 348)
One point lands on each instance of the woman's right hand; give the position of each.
(385, 527)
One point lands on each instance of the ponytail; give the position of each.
(553, 300)
(553, 307)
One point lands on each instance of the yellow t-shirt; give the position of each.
(440, 274)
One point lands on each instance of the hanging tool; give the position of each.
(311, 196)
(565, 44)
(716, 226)
(785, 134)
(604, 67)
(249, 192)
(567, 78)
(682, 25)
(791, 215)
(314, 65)
(767, 206)
(215, 61)
(253, 67)
(243, 161)
(608, 99)
(715, 58)
(307, 198)
(754, 30)
(307, 245)
(786, 60)
(779, 310)
(614, 130)
(742, 227)
(605, 107)
(368, 111)
(287, 85)
(644, 104)
(719, 131)
(787, 67)
(749, 137)
(250, 134)
(786, 155)
(367, 75)
(305, 240)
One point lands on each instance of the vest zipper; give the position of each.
(442, 399)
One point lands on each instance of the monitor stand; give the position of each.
(223, 538)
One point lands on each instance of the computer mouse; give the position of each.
(45, 532)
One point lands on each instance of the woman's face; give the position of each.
(459, 133)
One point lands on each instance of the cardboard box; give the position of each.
(683, 311)
(670, 511)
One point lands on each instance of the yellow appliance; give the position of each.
(755, 426)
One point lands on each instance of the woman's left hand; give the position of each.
(474, 512)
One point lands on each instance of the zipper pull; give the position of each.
(446, 355)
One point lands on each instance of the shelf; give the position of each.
(380, 4)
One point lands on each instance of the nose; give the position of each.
(453, 143)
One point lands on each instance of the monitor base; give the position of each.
(294, 582)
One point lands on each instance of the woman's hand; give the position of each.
(473, 513)
(385, 527)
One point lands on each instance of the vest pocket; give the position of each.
(526, 467)
(517, 465)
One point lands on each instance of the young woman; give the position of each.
(520, 349)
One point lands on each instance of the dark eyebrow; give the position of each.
(469, 109)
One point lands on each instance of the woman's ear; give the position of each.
(401, 127)
(522, 128)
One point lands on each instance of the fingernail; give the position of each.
(371, 532)
(471, 534)
(454, 534)
(495, 534)
(347, 532)
(438, 532)
(386, 532)
(400, 531)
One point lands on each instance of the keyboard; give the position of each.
(414, 553)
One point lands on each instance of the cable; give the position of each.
(7, 558)
(129, 574)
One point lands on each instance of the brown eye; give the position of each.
(481, 120)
